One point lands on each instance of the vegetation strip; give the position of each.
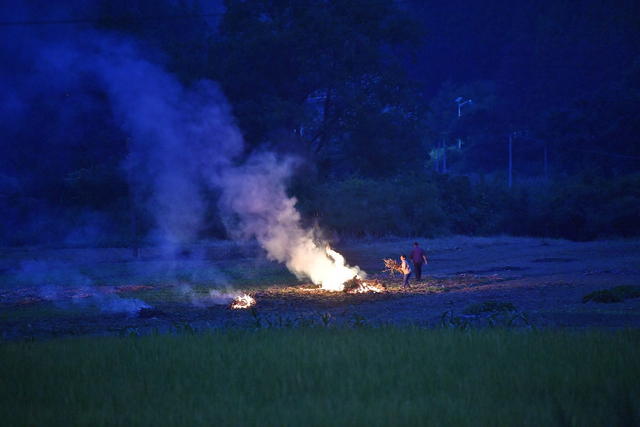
(325, 376)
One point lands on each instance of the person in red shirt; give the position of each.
(419, 257)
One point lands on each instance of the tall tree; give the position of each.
(326, 72)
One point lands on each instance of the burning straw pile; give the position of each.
(243, 301)
(359, 286)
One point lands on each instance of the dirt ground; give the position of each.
(543, 280)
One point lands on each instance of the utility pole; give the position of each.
(512, 135)
(510, 158)
(546, 163)
(461, 101)
(441, 161)
(436, 157)
(444, 155)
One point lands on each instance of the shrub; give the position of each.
(580, 208)
(615, 294)
(399, 205)
(489, 307)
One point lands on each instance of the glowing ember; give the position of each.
(243, 301)
(366, 287)
(359, 286)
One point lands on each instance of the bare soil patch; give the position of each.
(544, 280)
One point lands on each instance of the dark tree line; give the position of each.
(364, 91)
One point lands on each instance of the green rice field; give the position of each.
(326, 376)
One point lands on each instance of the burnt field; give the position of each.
(469, 282)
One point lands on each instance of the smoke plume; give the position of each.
(255, 204)
(180, 138)
(182, 144)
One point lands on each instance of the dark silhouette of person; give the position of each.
(419, 257)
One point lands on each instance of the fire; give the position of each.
(326, 268)
(366, 287)
(335, 273)
(243, 301)
(330, 271)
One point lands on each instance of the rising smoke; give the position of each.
(256, 205)
(62, 284)
(180, 138)
(183, 143)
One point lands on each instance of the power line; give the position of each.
(104, 20)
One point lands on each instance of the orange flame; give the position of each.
(243, 301)
(367, 287)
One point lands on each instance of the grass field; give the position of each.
(325, 376)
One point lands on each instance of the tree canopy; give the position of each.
(323, 78)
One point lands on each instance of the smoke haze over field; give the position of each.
(178, 138)
(181, 142)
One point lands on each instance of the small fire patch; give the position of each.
(243, 301)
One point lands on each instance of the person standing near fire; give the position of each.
(405, 269)
(419, 257)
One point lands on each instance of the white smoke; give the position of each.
(178, 137)
(63, 284)
(213, 297)
(184, 142)
(255, 201)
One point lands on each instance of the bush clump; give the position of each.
(615, 294)
(421, 204)
(489, 307)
